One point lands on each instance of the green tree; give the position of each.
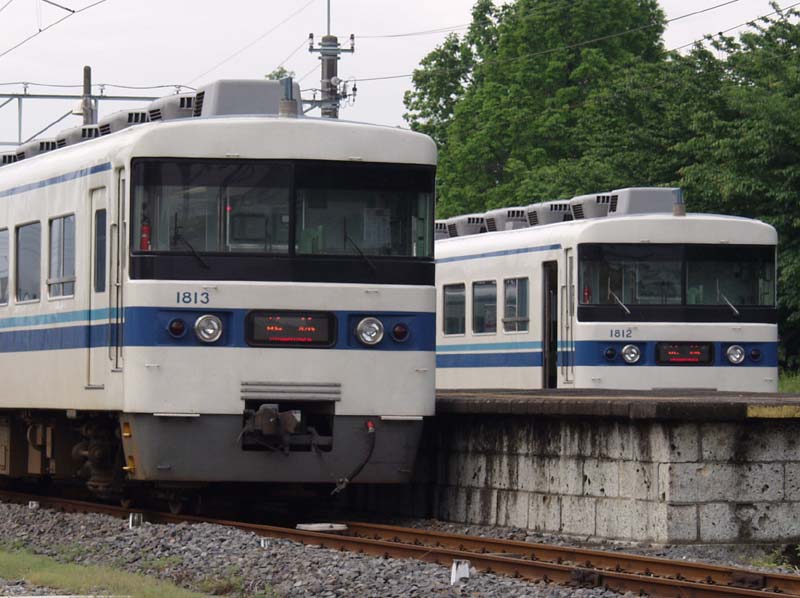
(280, 73)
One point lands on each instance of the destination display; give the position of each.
(684, 353)
(291, 328)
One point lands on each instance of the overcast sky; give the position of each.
(149, 42)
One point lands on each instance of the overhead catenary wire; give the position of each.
(729, 29)
(295, 51)
(570, 46)
(6, 5)
(50, 26)
(254, 42)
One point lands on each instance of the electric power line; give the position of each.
(295, 51)
(415, 33)
(114, 85)
(2, 8)
(50, 26)
(255, 41)
(51, 3)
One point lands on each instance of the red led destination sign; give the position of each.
(684, 353)
(290, 328)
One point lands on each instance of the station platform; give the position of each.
(689, 466)
(685, 405)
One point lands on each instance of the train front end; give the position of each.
(279, 303)
(668, 302)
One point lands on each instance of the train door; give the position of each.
(550, 325)
(116, 253)
(99, 314)
(567, 333)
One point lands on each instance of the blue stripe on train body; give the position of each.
(63, 178)
(147, 327)
(590, 354)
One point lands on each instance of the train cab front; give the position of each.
(671, 316)
(279, 321)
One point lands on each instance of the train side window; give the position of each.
(29, 262)
(4, 267)
(484, 307)
(454, 308)
(515, 316)
(99, 251)
(61, 279)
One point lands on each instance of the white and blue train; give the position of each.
(217, 295)
(619, 290)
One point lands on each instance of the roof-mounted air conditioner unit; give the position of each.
(440, 230)
(469, 224)
(548, 212)
(506, 219)
(592, 205)
(242, 96)
(8, 158)
(121, 120)
(642, 200)
(171, 107)
(77, 135)
(34, 148)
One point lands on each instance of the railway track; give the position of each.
(562, 565)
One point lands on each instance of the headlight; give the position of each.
(631, 353)
(735, 354)
(208, 328)
(369, 331)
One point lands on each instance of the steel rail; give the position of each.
(788, 585)
(411, 543)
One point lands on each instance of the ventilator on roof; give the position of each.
(242, 96)
(8, 158)
(506, 219)
(172, 107)
(121, 120)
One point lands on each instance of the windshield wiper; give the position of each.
(619, 301)
(733, 308)
(177, 236)
(358, 249)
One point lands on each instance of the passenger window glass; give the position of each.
(61, 279)
(454, 305)
(4, 266)
(484, 306)
(99, 251)
(29, 261)
(515, 318)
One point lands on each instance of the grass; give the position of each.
(84, 579)
(789, 382)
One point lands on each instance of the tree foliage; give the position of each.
(544, 99)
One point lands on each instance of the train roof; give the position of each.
(241, 136)
(640, 228)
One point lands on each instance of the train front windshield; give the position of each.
(282, 208)
(648, 279)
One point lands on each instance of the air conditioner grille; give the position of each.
(533, 218)
(491, 225)
(198, 104)
(105, 129)
(452, 230)
(155, 114)
(577, 210)
(612, 206)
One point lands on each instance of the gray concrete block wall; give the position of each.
(640, 480)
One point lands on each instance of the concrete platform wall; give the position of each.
(612, 478)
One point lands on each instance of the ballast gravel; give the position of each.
(217, 560)
(18, 587)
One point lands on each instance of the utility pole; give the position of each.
(329, 50)
(87, 106)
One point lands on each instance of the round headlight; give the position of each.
(735, 354)
(369, 331)
(631, 353)
(208, 328)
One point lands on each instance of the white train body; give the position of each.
(655, 281)
(103, 347)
